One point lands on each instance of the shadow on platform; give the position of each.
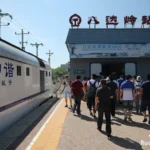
(86, 118)
(133, 123)
(124, 142)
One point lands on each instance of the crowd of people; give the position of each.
(102, 94)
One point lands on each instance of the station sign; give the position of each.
(109, 50)
(75, 21)
(79, 71)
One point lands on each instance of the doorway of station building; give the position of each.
(113, 68)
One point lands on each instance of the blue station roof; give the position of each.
(109, 36)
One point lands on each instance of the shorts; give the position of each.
(128, 104)
(144, 105)
(67, 94)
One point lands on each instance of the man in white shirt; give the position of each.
(92, 86)
(127, 94)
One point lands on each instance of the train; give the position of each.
(25, 82)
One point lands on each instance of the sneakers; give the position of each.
(145, 120)
(125, 118)
(99, 129)
(91, 113)
(130, 119)
(79, 115)
(109, 136)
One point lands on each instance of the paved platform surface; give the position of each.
(66, 131)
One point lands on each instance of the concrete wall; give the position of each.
(142, 64)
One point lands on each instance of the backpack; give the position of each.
(92, 90)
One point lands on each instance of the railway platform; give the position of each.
(60, 129)
(65, 131)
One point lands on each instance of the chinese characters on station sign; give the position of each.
(145, 20)
(129, 19)
(75, 20)
(93, 20)
(111, 20)
(8, 71)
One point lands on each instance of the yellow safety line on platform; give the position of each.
(49, 138)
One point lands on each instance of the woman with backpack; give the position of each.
(92, 86)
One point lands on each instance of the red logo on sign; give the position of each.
(130, 19)
(75, 20)
(111, 20)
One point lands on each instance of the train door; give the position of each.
(42, 81)
(96, 68)
(130, 69)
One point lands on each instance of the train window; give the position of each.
(27, 71)
(46, 73)
(18, 70)
(49, 74)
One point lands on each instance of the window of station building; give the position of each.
(18, 70)
(27, 71)
(46, 73)
(49, 74)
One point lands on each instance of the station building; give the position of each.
(123, 51)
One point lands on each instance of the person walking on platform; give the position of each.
(145, 94)
(120, 81)
(67, 91)
(92, 87)
(77, 90)
(84, 88)
(103, 104)
(113, 86)
(138, 84)
(127, 93)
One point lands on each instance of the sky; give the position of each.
(48, 21)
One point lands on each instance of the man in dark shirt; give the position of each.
(113, 86)
(103, 104)
(78, 94)
(145, 94)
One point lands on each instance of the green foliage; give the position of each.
(58, 72)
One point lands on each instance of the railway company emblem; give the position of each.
(75, 20)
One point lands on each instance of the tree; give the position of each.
(58, 72)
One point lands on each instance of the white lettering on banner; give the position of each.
(109, 50)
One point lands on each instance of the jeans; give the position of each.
(138, 107)
(108, 119)
(77, 104)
